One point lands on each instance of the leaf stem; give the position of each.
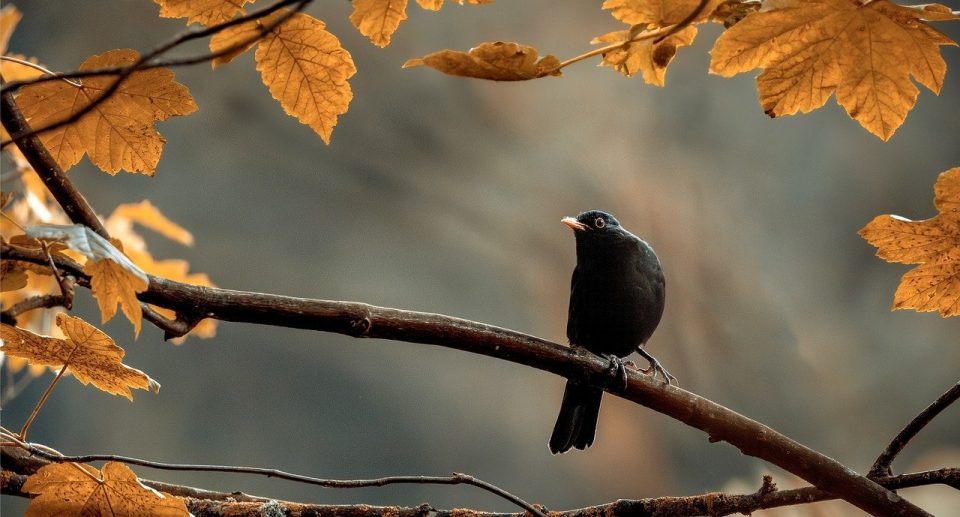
(620, 44)
(43, 399)
(24, 62)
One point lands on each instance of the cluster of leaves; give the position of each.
(933, 243)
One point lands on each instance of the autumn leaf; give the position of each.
(89, 354)
(114, 278)
(9, 17)
(12, 276)
(79, 490)
(933, 243)
(658, 13)
(207, 12)
(865, 52)
(645, 56)
(146, 214)
(378, 19)
(112, 284)
(302, 65)
(499, 61)
(435, 5)
(118, 134)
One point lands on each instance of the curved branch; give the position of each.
(881, 467)
(369, 321)
(208, 502)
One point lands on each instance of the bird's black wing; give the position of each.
(572, 309)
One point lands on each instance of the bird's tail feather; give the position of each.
(577, 423)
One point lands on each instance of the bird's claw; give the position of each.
(656, 368)
(619, 370)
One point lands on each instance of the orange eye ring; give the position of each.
(599, 222)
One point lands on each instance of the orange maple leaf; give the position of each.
(150, 216)
(89, 354)
(933, 243)
(207, 12)
(117, 134)
(77, 489)
(378, 19)
(651, 55)
(866, 52)
(645, 56)
(499, 61)
(302, 65)
(112, 284)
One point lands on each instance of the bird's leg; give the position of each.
(655, 367)
(618, 370)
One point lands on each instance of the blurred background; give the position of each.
(444, 194)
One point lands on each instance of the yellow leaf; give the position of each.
(207, 12)
(644, 56)
(150, 216)
(499, 61)
(306, 70)
(435, 5)
(378, 19)
(89, 354)
(811, 48)
(79, 490)
(946, 192)
(658, 12)
(243, 36)
(934, 243)
(9, 17)
(12, 276)
(931, 287)
(117, 134)
(111, 284)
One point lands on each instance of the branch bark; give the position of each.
(368, 321)
(881, 467)
(207, 502)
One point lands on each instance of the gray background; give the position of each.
(444, 194)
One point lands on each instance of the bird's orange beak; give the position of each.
(574, 224)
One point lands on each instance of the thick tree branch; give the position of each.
(19, 464)
(368, 321)
(881, 467)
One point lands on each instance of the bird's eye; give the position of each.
(599, 222)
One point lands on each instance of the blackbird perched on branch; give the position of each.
(616, 300)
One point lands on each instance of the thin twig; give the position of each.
(122, 73)
(45, 301)
(208, 502)
(35, 66)
(682, 24)
(660, 33)
(881, 467)
(43, 399)
(454, 479)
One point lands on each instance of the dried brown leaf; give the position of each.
(499, 61)
(90, 355)
(79, 490)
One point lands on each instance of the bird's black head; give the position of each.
(592, 222)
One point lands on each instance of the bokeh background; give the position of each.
(444, 194)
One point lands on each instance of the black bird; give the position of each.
(616, 300)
